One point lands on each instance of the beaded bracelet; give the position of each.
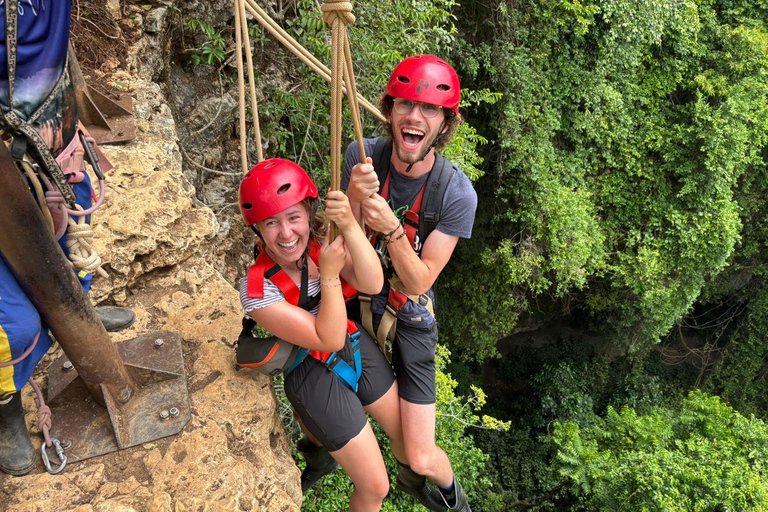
(389, 235)
(329, 279)
(393, 240)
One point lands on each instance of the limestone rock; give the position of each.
(234, 453)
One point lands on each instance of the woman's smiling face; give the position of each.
(286, 234)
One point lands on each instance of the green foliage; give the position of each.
(622, 138)
(740, 377)
(213, 50)
(455, 415)
(700, 456)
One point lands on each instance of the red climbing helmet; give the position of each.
(427, 79)
(271, 187)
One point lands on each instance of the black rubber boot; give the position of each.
(416, 485)
(459, 500)
(17, 457)
(319, 463)
(115, 318)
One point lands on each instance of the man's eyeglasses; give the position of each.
(404, 107)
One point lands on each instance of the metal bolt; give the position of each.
(174, 411)
(159, 343)
(66, 444)
(164, 414)
(68, 366)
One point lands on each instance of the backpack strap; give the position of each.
(434, 193)
(381, 156)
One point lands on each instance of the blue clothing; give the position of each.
(20, 321)
(43, 38)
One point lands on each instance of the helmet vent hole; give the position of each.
(443, 87)
(269, 165)
(282, 190)
(403, 79)
(247, 206)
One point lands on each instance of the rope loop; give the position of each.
(337, 9)
(81, 253)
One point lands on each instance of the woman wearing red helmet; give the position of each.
(279, 201)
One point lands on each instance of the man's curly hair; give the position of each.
(454, 120)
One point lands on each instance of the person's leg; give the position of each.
(20, 324)
(361, 459)
(386, 412)
(414, 362)
(319, 461)
(424, 456)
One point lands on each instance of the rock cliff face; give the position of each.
(157, 242)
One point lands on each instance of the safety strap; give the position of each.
(398, 296)
(335, 363)
(265, 267)
(25, 137)
(426, 215)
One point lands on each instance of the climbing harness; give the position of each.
(420, 220)
(273, 356)
(25, 137)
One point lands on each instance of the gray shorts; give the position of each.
(329, 409)
(413, 354)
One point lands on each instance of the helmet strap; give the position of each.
(256, 250)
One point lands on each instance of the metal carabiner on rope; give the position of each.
(59, 454)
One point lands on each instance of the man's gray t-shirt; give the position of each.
(456, 216)
(459, 203)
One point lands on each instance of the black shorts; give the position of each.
(413, 354)
(329, 409)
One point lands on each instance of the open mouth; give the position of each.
(290, 245)
(411, 137)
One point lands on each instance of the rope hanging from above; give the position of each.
(241, 36)
(338, 14)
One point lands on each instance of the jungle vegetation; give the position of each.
(619, 153)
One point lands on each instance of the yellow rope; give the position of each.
(81, 252)
(35, 181)
(251, 80)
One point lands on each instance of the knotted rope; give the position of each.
(338, 14)
(294, 47)
(81, 252)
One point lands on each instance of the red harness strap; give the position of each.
(411, 221)
(264, 263)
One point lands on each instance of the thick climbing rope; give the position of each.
(81, 252)
(338, 14)
(305, 56)
(241, 36)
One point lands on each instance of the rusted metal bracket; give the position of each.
(105, 119)
(159, 406)
(121, 390)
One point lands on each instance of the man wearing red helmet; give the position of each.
(415, 242)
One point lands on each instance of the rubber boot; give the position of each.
(17, 457)
(416, 485)
(319, 463)
(459, 501)
(115, 318)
